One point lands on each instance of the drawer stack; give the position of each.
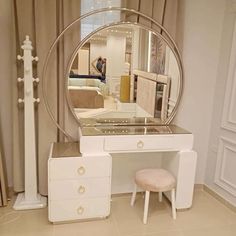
(79, 187)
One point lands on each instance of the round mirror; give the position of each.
(124, 72)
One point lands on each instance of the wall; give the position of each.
(199, 35)
(116, 46)
(220, 172)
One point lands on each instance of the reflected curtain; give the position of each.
(42, 20)
(163, 11)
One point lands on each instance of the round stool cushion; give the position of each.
(155, 180)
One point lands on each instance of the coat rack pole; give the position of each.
(30, 199)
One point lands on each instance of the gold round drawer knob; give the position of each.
(81, 170)
(81, 189)
(80, 210)
(140, 144)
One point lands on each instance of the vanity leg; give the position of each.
(160, 196)
(183, 166)
(133, 195)
(146, 203)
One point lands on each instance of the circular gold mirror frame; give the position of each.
(169, 40)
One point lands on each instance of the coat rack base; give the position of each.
(22, 204)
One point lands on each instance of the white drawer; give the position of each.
(82, 188)
(78, 209)
(79, 167)
(138, 143)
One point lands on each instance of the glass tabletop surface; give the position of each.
(91, 122)
(132, 130)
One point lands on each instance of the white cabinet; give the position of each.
(78, 187)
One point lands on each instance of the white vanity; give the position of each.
(81, 176)
(80, 173)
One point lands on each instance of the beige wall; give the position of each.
(220, 173)
(6, 81)
(201, 29)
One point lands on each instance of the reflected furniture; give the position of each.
(76, 76)
(93, 84)
(153, 93)
(125, 88)
(86, 97)
(154, 180)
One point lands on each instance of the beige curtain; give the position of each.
(3, 178)
(42, 20)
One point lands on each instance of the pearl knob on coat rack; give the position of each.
(37, 100)
(20, 80)
(34, 58)
(19, 57)
(36, 80)
(20, 100)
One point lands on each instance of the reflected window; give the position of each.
(93, 22)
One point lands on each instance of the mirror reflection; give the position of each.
(124, 72)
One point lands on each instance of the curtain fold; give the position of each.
(3, 177)
(163, 11)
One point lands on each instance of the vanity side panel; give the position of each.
(92, 145)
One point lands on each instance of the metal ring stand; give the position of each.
(166, 37)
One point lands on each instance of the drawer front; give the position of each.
(78, 209)
(82, 188)
(138, 143)
(79, 167)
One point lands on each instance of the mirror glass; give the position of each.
(124, 72)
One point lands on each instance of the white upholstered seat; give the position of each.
(154, 180)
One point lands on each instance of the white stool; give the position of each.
(154, 180)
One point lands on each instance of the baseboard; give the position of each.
(198, 186)
(202, 187)
(219, 198)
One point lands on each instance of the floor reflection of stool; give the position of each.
(154, 180)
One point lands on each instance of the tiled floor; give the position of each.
(207, 217)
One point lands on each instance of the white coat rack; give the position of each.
(30, 199)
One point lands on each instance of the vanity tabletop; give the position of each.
(132, 130)
(91, 122)
(65, 149)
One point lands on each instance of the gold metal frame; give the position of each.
(166, 37)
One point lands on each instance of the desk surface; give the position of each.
(137, 121)
(132, 130)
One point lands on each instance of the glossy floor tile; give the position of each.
(207, 217)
